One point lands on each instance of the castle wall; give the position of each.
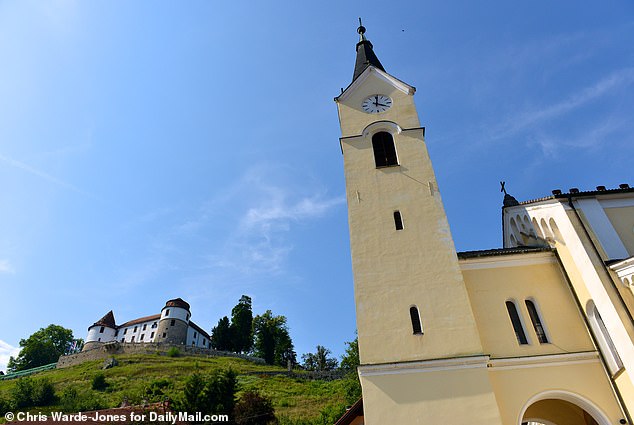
(104, 351)
(171, 331)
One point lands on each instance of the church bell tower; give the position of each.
(414, 318)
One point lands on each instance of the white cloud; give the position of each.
(6, 267)
(530, 119)
(6, 351)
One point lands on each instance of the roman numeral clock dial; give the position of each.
(376, 104)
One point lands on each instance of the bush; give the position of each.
(212, 394)
(254, 409)
(74, 400)
(29, 392)
(173, 352)
(156, 388)
(99, 382)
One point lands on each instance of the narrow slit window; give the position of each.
(384, 150)
(537, 323)
(398, 220)
(517, 323)
(417, 327)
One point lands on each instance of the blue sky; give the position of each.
(152, 150)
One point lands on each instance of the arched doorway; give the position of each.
(561, 408)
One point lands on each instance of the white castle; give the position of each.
(171, 326)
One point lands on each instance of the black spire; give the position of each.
(365, 54)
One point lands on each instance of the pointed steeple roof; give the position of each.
(365, 54)
(107, 321)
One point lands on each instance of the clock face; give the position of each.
(376, 104)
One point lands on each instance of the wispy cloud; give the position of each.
(32, 170)
(532, 118)
(6, 267)
(6, 351)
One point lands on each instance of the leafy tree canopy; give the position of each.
(242, 325)
(272, 340)
(221, 336)
(350, 360)
(43, 347)
(319, 361)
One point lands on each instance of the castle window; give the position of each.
(517, 323)
(172, 322)
(164, 334)
(204, 342)
(142, 335)
(193, 343)
(116, 333)
(152, 335)
(101, 330)
(98, 339)
(537, 323)
(153, 325)
(135, 328)
(384, 150)
(195, 334)
(132, 340)
(417, 327)
(167, 312)
(145, 326)
(123, 339)
(398, 220)
(125, 331)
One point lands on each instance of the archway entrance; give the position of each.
(549, 410)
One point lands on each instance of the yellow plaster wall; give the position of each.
(515, 387)
(544, 284)
(623, 221)
(461, 396)
(394, 270)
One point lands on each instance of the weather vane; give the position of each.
(503, 189)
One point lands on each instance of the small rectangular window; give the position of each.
(167, 312)
(142, 335)
(123, 339)
(164, 334)
(116, 333)
(125, 331)
(101, 330)
(135, 328)
(132, 340)
(172, 322)
(195, 334)
(152, 335)
(398, 220)
(145, 326)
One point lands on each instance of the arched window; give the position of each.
(517, 323)
(537, 323)
(384, 150)
(417, 327)
(398, 220)
(604, 339)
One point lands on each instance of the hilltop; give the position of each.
(297, 400)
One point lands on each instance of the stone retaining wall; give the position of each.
(109, 349)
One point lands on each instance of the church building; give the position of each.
(540, 331)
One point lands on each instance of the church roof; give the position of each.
(365, 54)
(502, 251)
(576, 193)
(107, 321)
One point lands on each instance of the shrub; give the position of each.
(173, 352)
(74, 400)
(212, 394)
(157, 387)
(99, 382)
(254, 409)
(29, 392)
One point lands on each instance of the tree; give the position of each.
(272, 340)
(242, 325)
(43, 347)
(254, 409)
(350, 360)
(221, 335)
(319, 361)
(212, 394)
(349, 363)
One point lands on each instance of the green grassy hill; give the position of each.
(155, 377)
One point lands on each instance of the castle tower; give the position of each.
(103, 330)
(172, 327)
(414, 318)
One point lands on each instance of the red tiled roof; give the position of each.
(107, 320)
(177, 302)
(140, 320)
(351, 414)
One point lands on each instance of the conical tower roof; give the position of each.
(365, 54)
(107, 320)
